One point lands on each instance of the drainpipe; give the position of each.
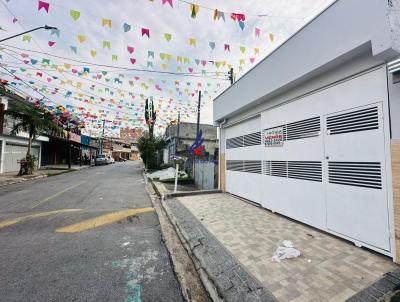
(220, 149)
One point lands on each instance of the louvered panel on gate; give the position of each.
(354, 121)
(303, 129)
(234, 165)
(252, 166)
(359, 174)
(267, 167)
(252, 139)
(279, 168)
(305, 170)
(234, 142)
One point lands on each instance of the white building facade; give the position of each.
(313, 131)
(14, 147)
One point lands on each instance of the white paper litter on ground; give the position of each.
(286, 251)
(167, 174)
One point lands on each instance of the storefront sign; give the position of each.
(274, 137)
(74, 137)
(85, 139)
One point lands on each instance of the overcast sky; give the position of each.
(281, 18)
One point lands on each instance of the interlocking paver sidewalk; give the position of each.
(329, 269)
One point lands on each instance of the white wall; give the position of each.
(330, 39)
(5, 139)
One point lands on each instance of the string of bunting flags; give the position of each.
(90, 90)
(146, 32)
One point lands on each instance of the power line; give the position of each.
(110, 66)
(89, 80)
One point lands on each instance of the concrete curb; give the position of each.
(222, 275)
(19, 180)
(381, 290)
(191, 193)
(23, 180)
(185, 270)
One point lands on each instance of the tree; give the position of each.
(32, 120)
(150, 115)
(149, 148)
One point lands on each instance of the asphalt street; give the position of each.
(90, 235)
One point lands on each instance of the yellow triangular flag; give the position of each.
(106, 22)
(107, 44)
(81, 38)
(271, 37)
(192, 42)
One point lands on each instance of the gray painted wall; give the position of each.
(345, 30)
(354, 65)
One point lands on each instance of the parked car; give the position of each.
(100, 160)
(110, 159)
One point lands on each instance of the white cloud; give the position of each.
(282, 18)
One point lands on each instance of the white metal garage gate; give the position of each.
(13, 152)
(326, 165)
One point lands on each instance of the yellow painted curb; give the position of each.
(8, 222)
(102, 220)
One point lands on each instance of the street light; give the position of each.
(46, 27)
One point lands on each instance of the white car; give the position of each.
(110, 159)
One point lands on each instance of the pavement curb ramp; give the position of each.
(222, 275)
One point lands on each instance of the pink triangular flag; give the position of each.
(130, 49)
(43, 5)
(133, 61)
(252, 60)
(146, 31)
(51, 43)
(167, 1)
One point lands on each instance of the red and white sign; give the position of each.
(74, 137)
(274, 137)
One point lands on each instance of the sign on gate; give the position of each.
(274, 137)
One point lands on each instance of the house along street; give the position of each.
(90, 235)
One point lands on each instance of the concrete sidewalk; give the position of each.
(65, 167)
(329, 268)
(10, 178)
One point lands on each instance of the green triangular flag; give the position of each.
(167, 37)
(75, 14)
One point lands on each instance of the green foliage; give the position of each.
(34, 121)
(150, 149)
(31, 161)
(28, 165)
(31, 119)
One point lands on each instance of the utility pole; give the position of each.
(198, 114)
(197, 133)
(102, 138)
(178, 130)
(69, 155)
